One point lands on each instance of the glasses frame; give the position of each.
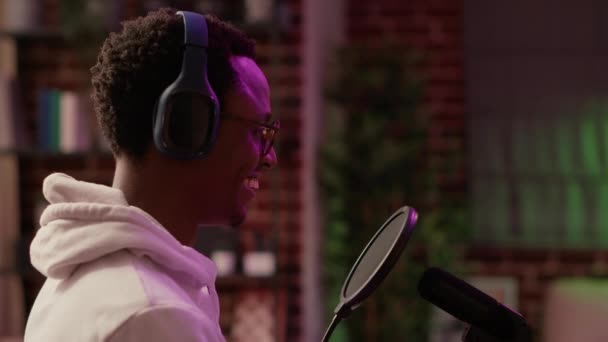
(270, 128)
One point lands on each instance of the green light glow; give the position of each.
(556, 167)
(550, 221)
(574, 214)
(495, 148)
(491, 218)
(602, 213)
(564, 144)
(529, 200)
(584, 289)
(500, 209)
(590, 146)
(605, 133)
(542, 145)
(520, 146)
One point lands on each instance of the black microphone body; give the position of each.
(472, 306)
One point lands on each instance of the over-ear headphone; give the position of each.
(186, 115)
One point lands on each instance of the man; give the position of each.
(116, 258)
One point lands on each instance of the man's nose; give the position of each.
(270, 160)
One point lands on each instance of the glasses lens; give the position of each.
(268, 140)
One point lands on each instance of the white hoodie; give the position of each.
(115, 274)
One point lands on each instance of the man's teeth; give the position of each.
(252, 183)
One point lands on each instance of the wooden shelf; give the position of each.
(32, 34)
(583, 255)
(36, 154)
(236, 282)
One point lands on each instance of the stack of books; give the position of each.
(64, 121)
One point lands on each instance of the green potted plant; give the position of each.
(85, 24)
(374, 160)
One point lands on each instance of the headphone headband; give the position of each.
(194, 34)
(186, 115)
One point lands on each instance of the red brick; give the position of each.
(446, 6)
(445, 73)
(444, 92)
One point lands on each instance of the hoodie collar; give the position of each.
(86, 221)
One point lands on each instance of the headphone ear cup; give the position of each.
(155, 117)
(186, 116)
(185, 124)
(190, 122)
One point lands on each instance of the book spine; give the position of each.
(84, 136)
(69, 125)
(6, 124)
(55, 119)
(44, 120)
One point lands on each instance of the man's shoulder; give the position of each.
(104, 293)
(114, 275)
(130, 278)
(168, 322)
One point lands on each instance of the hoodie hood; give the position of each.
(86, 221)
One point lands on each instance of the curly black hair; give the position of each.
(136, 64)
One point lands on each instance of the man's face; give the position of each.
(228, 179)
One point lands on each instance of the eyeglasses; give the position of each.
(268, 131)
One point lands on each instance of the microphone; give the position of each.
(471, 305)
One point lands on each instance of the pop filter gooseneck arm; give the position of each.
(374, 263)
(331, 327)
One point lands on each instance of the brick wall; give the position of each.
(279, 208)
(433, 28)
(534, 270)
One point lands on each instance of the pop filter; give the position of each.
(374, 263)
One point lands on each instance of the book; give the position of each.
(54, 119)
(74, 123)
(83, 133)
(7, 136)
(3, 14)
(43, 104)
(12, 308)
(68, 115)
(8, 57)
(64, 120)
(21, 15)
